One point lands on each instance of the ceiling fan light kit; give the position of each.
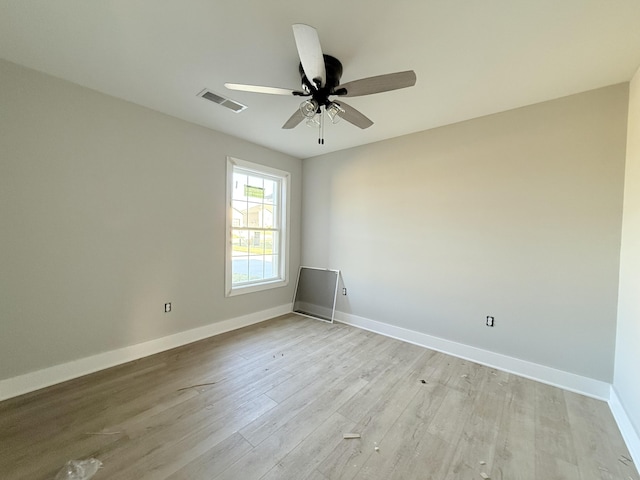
(320, 77)
(334, 112)
(309, 108)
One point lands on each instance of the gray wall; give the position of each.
(108, 211)
(516, 215)
(625, 380)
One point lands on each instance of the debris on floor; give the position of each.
(423, 381)
(79, 469)
(625, 460)
(350, 435)
(196, 386)
(485, 476)
(482, 462)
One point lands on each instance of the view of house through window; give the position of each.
(258, 218)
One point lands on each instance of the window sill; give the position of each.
(241, 290)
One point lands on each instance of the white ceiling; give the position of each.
(471, 57)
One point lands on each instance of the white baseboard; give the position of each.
(29, 382)
(551, 376)
(629, 433)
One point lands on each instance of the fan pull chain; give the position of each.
(321, 127)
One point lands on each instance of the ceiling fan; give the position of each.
(321, 80)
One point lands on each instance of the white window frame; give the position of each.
(283, 237)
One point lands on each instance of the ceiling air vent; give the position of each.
(220, 100)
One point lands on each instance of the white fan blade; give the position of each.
(259, 89)
(310, 53)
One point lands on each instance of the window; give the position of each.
(257, 225)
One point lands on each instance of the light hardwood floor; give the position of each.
(273, 401)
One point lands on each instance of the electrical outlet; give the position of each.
(489, 321)
(344, 291)
(167, 307)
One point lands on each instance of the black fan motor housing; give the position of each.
(333, 71)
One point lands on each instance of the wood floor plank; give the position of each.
(205, 406)
(515, 445)
(398, 447)
(345, 354)
(292, 386)
(553, 433)
(393, 365)
(162, 454)
(475, 450)
(597, 440)
(213, 461)
(450, 419)
(303, 460)
(315, 475)
(358, 347)
(62, 424)
(301, 334)
(553, 467)
(264, 426)
(265, 456)
(429, 460)
(347, 459)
